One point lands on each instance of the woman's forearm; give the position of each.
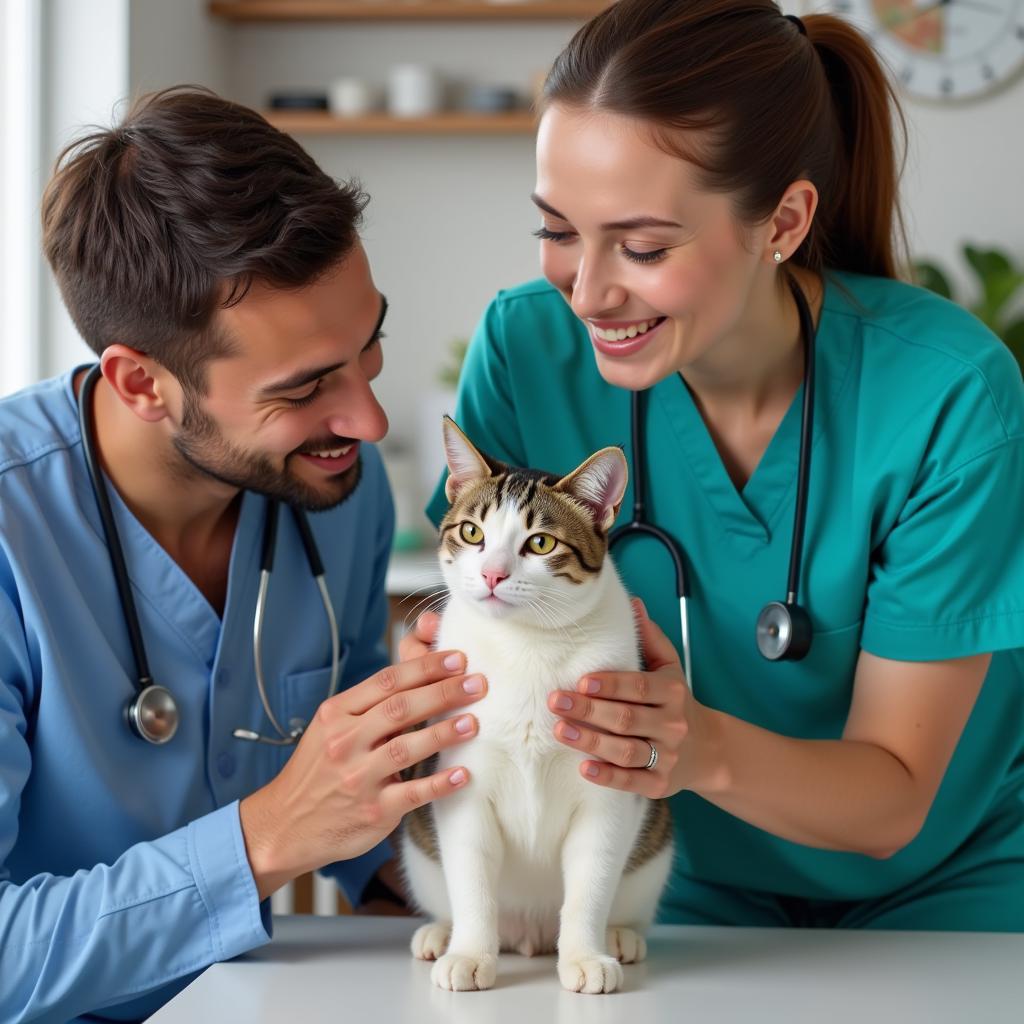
(832, 794)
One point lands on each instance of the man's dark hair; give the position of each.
(153, 225)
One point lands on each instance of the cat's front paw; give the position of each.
(591, 972)
(460, 973)
(626, 945)
(431, 940)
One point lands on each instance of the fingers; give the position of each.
(419, 641)
(401, 797)
(657, 648)
(411, 647)
(426, 627)
(406, 708)
(622, 751)
(405, 750)
(396, 679)
(622, 717)
(630, 780)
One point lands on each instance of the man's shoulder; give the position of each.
(37, 421)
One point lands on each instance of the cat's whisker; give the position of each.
(547, 614)
(425, 604)
(571, 622)
(437, 606)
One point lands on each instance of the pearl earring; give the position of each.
(777, 256)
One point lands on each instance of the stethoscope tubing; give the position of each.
(638, 523)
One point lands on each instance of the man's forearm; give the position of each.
(832, 794)
(163, 910)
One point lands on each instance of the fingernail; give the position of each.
(591, 685)
(474, 684)
(563, 703)
(457, 777)
(453, 662)
(592, 770)
(464, 724)
(570, 732)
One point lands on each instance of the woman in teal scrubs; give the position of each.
(693, 159)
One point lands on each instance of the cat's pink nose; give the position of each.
(493, 577)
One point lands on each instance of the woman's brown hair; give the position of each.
(756, 103)
(152, 226)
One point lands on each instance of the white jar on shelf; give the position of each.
(414, 90)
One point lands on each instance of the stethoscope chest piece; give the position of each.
(783, 631)
(153, 714)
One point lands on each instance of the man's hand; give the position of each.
(421, 639)
(339, 793)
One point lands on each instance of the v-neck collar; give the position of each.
(754, 511)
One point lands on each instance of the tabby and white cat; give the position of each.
(530, 856)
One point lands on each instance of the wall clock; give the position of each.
(942, 49)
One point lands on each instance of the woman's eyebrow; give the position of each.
(615, 225)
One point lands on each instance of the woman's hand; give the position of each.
(617, 716)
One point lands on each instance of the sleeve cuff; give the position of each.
(223, 876)
(985, 634)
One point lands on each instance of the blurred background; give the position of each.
(426, 102)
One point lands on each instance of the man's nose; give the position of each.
(359, 415)
(493, 577)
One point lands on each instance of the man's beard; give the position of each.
(200, 443)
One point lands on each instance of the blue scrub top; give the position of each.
(123, 869)
(914, 548)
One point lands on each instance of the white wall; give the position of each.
(450, 220)
(85, 77)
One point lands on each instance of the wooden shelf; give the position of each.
(312, 122)
(411, 10)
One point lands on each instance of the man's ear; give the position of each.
(465, 463)
(139, 382)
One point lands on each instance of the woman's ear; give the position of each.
(792, 220)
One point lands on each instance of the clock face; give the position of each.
(942, 49)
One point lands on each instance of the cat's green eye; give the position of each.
(541, 544)
(471, 533)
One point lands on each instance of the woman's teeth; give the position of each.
(334, 453)
(622, 333)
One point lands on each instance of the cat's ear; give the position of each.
(600, 484)
(465, 463)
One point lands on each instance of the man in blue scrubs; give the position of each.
(218, 274)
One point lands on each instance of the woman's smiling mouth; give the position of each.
(622, 337)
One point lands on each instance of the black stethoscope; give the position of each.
(152, 714)
(784, 631)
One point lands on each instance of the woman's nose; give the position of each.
(594, 292)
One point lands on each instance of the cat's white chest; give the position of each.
(530, 781)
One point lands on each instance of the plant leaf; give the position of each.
(1013, 335)
(930, 276)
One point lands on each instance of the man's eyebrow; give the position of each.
(615, 225)
(302, 377)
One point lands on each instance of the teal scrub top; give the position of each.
(914, 546)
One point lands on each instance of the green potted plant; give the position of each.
(1000, 280)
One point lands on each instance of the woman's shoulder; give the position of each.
(911, 338)
(533, 321)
